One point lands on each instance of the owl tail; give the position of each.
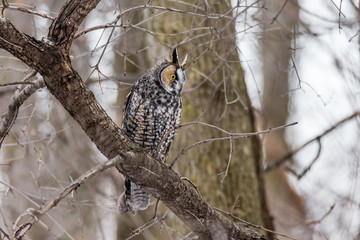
(134, 198)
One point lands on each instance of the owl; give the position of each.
(151, 117)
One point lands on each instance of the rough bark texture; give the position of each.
(52, 61)
(196, 213)
(241, 190)
(71, 15)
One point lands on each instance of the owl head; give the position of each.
(172, 76)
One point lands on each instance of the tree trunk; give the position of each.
(279, 26)
(221, 100)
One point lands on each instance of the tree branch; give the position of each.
(175, 194)
(182, 199)
(7, 120)
(64, 27)
(288, 156)
(66, 85)
(37, 214)
(25, 10)
(34, 53)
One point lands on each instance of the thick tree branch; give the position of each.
(64, 27)
(53, 63)
(182, 199)
(26, 48)
(66, 85)
(152, 174)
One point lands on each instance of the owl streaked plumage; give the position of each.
(151, 117)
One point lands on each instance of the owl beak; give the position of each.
(184, 62)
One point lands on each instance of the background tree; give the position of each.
(278, 44)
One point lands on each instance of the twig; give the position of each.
(156, 207)
(125, 26)
(125, 31)
(233, 206)
(288, 156)
(7, 120)
(37, 214)
(229, 161)
(5, 234)
(253, 225)
(340, 12)
(25, 10)
(209, 16)
(281, 9)
(165, 10)
(355, 35)
(338, 8)
(37, 140)
(16, 83)
(299, 176)
(4, 6)
(296, 70)
(322, 218)
(231, 136)
(104, 26)
(147, 225)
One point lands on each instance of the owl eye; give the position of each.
(173, 76)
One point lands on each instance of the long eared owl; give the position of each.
(151, 117)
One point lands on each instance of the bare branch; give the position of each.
(37, 214)
(7, 120)
(27, 49)
(229, 161)
(4, 235)
(15, 83)
(25, 10)
(322, 218)
(253, 225)
(288, 156)
(231, 136)
(300, 175)
(64, 27)
(147, 225)
(281, 9)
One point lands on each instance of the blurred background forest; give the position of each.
(252, 65)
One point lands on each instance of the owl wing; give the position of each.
(127, 103)
(137, 119)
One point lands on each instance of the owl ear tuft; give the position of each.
(184, 62)
(175, 58)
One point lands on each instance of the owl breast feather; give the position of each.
(151, 121)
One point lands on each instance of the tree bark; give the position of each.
(237, 187)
